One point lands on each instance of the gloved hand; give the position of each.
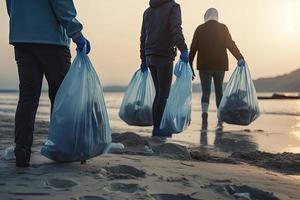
(144, 67)
(81, 41)
(184, 56)
(241, 62)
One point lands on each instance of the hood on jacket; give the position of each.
(157, 3)
(211, 14)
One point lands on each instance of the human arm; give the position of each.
(66, 14)
(176, 29)
(194, 48)
(231, 45)
(142, 43)
(142, 48)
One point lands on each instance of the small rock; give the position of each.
(200, 156)
(288, 163)
(173, 151)
(125, 172)
(128, 139)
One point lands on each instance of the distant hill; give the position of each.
(284, 83)
(114, 88)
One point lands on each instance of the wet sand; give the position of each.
(158, 172)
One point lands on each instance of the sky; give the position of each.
(266, 31)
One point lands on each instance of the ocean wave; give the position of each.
(281, 113)
(15, 104)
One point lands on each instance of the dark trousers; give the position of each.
(206, 78)
(162, 71)
(34, 61)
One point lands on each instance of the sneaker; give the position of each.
(157, 132)
(159, 139)
(22, 157)
(204, 119)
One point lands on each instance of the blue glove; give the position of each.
(144, 67)
(241, 62)
(81, 41)
(184, 56)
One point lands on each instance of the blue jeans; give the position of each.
(206, 77)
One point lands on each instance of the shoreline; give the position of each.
(172, 171)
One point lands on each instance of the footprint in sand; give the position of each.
(172, 197)
(60, 183)
(91, 198)
(126, 188)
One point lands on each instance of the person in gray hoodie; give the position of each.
(40, 31)
(160, 35)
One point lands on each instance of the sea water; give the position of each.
(277, 130)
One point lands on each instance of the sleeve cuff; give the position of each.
(76, 35)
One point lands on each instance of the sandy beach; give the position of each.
(159, 172)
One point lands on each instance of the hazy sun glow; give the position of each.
(266, 31)
(291, 17)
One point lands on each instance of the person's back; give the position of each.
(162, 29)
(42, 21)
(211, 41)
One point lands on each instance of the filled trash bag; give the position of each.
(177, 114)
(239, 104)
(136, 107)
(79, 127)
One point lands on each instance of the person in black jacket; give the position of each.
(211, 41)
(160, 35)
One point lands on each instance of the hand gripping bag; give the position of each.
(177, 114)
(239, 104)
(136, 107)
(79, 127)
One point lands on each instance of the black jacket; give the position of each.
(161, 30)
(211, 41)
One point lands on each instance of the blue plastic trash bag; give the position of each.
(79, 127)
(136, 108)
(239, 104)
(177, 114)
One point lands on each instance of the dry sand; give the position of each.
(171, 172)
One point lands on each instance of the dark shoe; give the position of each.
(204, 119)
(157, 132)
(22, 157)
(159, 139)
